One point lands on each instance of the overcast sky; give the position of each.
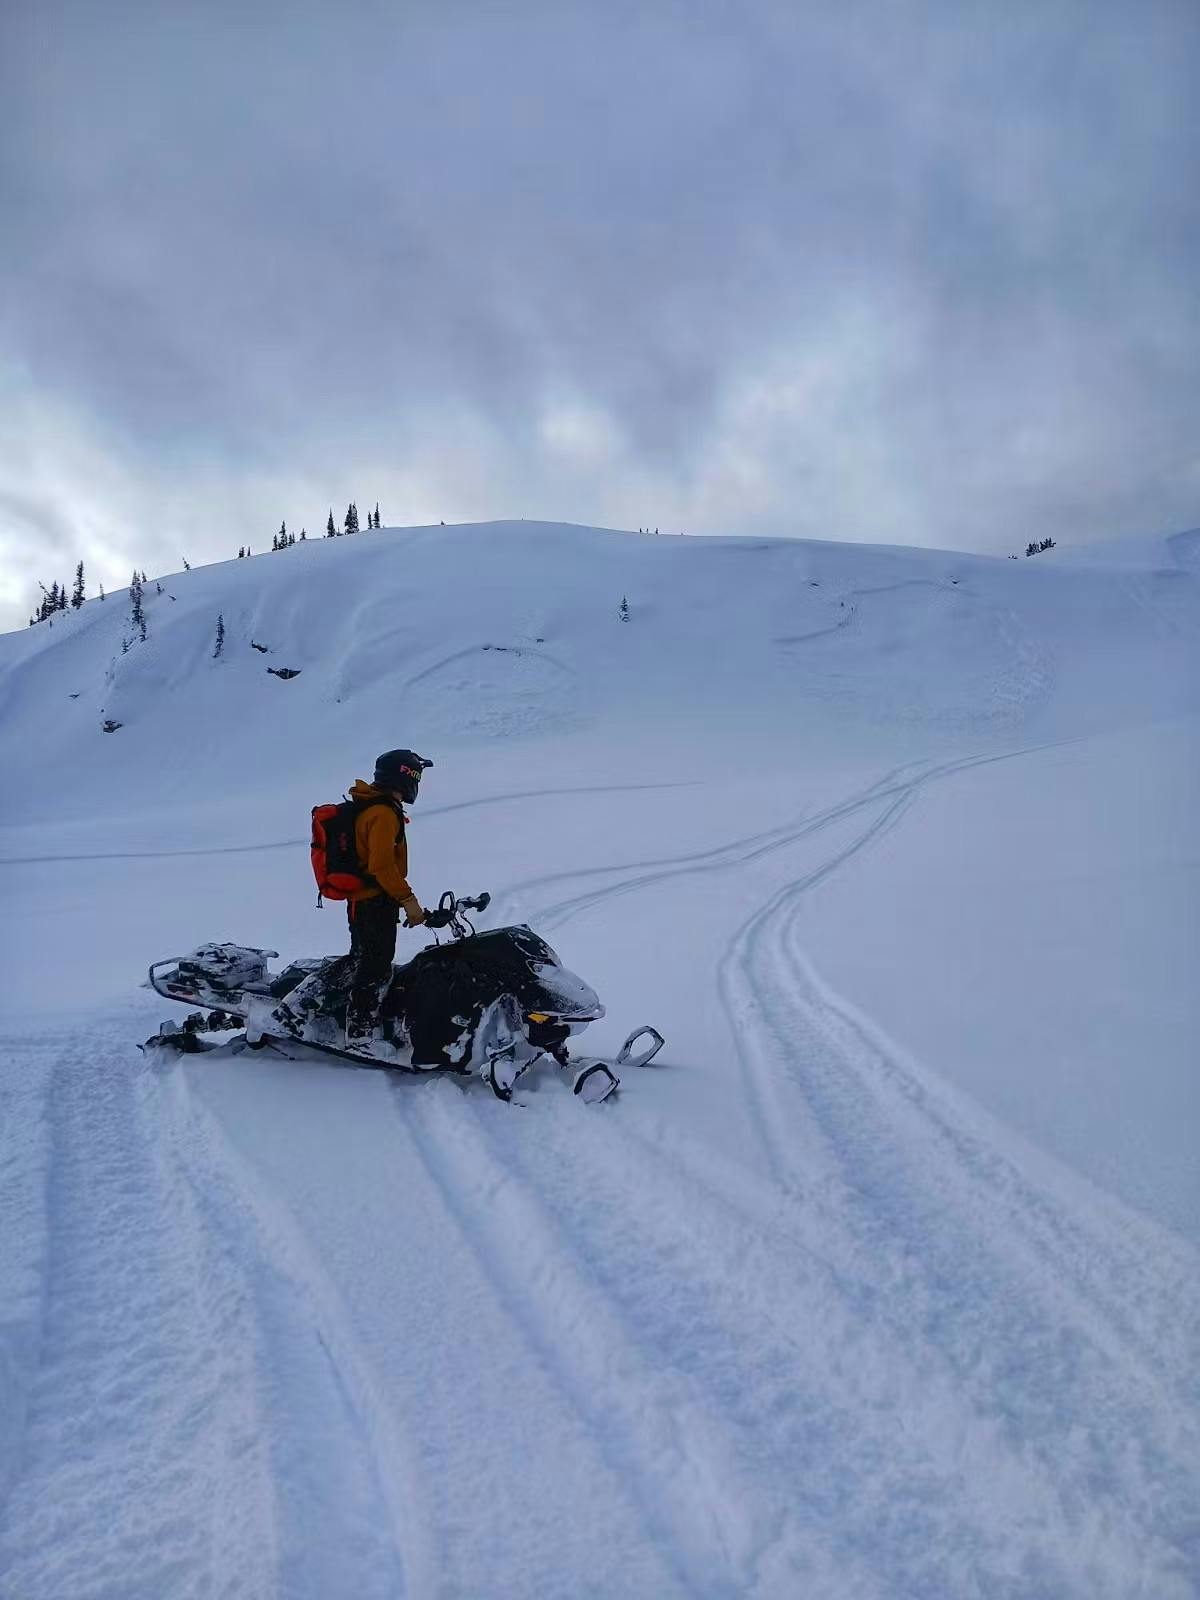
(924, 273)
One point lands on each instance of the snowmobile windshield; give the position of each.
(533, 946)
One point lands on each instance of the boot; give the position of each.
(362, 1026)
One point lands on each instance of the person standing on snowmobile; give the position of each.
(374, 912)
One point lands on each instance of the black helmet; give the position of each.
(400, 770)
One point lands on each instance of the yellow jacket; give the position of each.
(383, 849)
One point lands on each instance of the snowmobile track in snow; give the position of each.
(1070, 1335)
(303, 843)
(739, 852)
(292, 1328)
(1092, 1324)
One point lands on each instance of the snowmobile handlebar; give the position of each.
(451, 912)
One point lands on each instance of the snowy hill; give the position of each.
(882, 1282)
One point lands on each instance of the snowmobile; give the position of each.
(489, 1003)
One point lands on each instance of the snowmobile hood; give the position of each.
(560, 993)
(514, 961)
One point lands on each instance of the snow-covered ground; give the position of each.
(882, 1281)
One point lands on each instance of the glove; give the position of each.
(413, 914)
(438, 919)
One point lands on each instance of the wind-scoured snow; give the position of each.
(880, 1282)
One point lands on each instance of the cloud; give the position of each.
(891, 271)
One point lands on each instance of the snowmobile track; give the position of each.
(144, 1399)
(690, 1466)
(1072, 1337)
(739, 852)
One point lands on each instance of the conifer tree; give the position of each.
(220, 644)
(137, 615)
(303, 536)
(352, 518)
(283, 540)
(330, 530)
(624, 609)
(102, 591)
(377, 513)
(77, 592)
(187, 565)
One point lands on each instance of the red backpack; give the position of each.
(335, 853)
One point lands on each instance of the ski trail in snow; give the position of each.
(474, 650)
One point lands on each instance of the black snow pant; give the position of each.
(373, 926)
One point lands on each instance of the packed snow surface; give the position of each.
(881, 1281)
